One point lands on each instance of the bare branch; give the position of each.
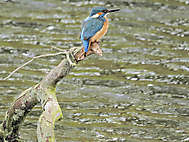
(58, 49)
(45, 94)
(36, 57)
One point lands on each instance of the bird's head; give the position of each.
(101, 11)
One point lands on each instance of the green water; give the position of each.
(137, 91)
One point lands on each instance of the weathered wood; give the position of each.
(45, 94)
(17, 112)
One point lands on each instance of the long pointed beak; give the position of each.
(113, 10)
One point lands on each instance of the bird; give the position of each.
(94, 26)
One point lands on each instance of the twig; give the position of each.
(36, 57)
(45, 94)
(59, 49)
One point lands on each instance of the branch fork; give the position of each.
(43, 93)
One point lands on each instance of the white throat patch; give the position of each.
(95, 16)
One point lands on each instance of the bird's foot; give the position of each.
(98, 42)
(85, 54)
(69, 60)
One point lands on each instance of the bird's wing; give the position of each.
(91, 27)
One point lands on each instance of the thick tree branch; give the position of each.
(45, 94)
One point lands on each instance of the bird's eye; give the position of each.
(105, 11)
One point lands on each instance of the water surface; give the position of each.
(137, 91)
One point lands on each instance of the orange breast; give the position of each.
(100, 33)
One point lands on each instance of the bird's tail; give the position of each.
(86, 45)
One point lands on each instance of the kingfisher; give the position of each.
(95, 26)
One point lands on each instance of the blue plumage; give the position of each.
(90, 27)
(86, 45)
(93, 24)
(96, 10)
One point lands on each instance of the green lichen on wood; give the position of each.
(52, 112)
(45, 94)
(17, 113)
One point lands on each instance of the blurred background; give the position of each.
(137, 91)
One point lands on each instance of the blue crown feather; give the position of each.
(96, 10)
